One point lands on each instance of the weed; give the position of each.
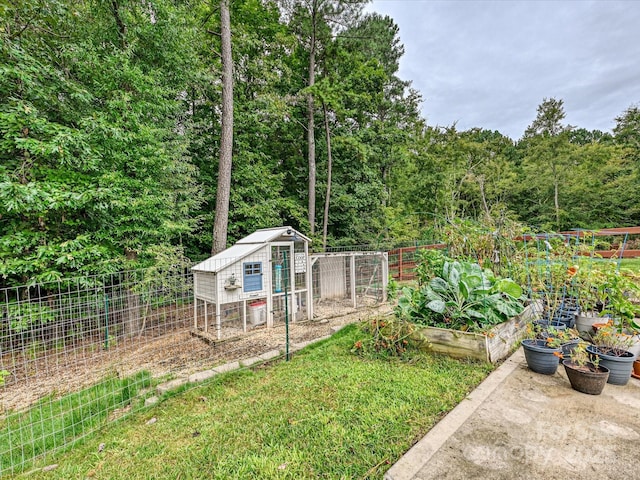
(389, 337)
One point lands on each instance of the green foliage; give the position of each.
(392, 288)
(430, 263)
(25, 316)
(109, 138)
(621, 291)
(609, 340)
(464, 297)
(94, 171)
(581, 358)
(553, 337)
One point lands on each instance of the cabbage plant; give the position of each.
(464, 297)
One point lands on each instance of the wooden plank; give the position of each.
(616, 253)
(435, 246)
(491, 346)
(212, 339)
(455, 343)
(502, 338)
(604, 232)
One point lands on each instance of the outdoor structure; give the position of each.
(259, 280)
(352, 278)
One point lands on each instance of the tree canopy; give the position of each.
(111, 121)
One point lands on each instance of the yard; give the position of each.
(632, 264)
(325, 414)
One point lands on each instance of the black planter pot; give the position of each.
(620, 366)
(591, 382)
(545, 323)
(567, 320)
(540, 358)
(568, 348)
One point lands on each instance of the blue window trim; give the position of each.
(252, 276)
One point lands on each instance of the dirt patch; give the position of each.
(161, 350)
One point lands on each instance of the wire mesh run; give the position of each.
(348, 280)
(79, 353)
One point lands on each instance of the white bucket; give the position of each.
(258, 313)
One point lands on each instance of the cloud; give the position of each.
(490, 64)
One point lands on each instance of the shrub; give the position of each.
(389, 337)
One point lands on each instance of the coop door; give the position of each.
(252, 280)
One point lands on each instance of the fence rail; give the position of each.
(402, 261)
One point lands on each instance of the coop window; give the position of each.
(252, 276)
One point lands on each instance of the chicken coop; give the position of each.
(257, 281)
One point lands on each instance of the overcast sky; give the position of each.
(490, 64)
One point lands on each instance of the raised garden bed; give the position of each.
(491, 346)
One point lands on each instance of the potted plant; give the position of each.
(591, 292)
(543, 348)
(606, 290)
(570, 338)
(585, 374)
(621, 289)
(611, 346)
(551, 283)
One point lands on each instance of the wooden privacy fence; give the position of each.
(618, 253)
(618, 249)
(402, 261)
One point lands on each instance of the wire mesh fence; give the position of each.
(79, 353)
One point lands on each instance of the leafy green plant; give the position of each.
(429, 264)
(3, 374)
(553, 337)
(392, 288)
(620, 288)
(464, 297)
(24, 315)
(590, 287)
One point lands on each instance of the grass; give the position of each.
(54, 423)
(632, 264)
(325, 414)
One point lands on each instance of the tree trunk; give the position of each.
(226, 135)
(122, 28)
(325, 221)
(311, 141)
(556, 203)
(483, 196)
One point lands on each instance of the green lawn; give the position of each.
(53, 423)
(632, 264)
(325, 414)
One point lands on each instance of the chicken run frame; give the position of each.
(270, 275)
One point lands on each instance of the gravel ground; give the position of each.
(171, 351)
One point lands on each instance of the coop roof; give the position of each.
(225, 258)
(271, 234)
(245, 247)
